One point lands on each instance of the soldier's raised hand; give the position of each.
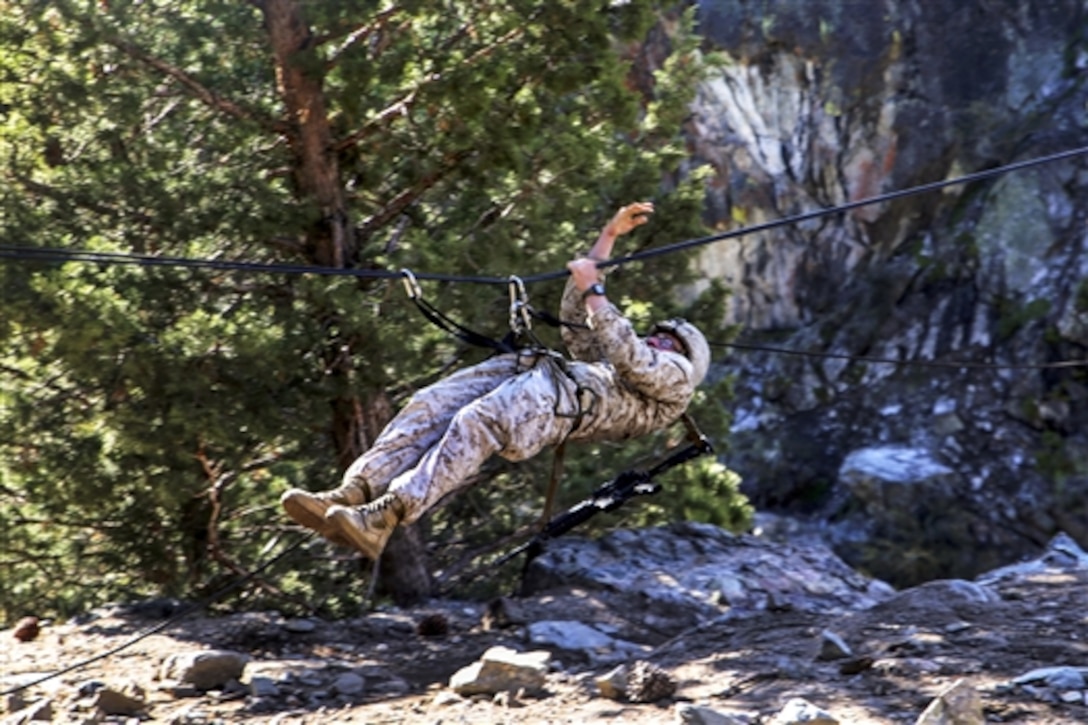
(630, 217)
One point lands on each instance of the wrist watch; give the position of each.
(594, 290)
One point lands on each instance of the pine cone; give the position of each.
(26, 629)
(433, 625)
(649, 683)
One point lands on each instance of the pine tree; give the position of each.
(150, 416)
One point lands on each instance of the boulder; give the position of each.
(677, 576)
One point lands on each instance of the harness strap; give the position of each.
(557, 366)
(460, 331)
(553, 484)
(521, 314)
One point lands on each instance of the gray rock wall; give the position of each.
(820, 103)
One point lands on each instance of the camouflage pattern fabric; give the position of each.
(515, 405)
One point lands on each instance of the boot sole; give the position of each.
(344, 527)
(304, 511)
(309, 513)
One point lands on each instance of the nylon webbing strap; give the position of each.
(460, 331)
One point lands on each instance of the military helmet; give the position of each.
(695, 345)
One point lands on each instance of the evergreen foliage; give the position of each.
(150, 417)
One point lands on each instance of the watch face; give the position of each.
(594, 289)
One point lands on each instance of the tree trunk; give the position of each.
(331, 242)
(316, 168)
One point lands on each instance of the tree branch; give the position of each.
(207, 96)
(487, 50)
(15, 371)
(401, 107)
(219, 480)
(73, 393)
(384, 119)
(12, 494)
(36, 187)
(395, 206)
(355, 34)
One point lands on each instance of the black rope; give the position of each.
(880, 199)
(60, 255)
(168, 622)
(917, 363)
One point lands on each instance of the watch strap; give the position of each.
(595, 289)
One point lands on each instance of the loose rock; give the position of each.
(799, 711)
(206, 669)
(958, 705)
(833, 647)
(115, 702)
(502, 669)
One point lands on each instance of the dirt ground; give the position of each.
(905, 651)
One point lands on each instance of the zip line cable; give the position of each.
(58, 254)
(63, 255)
(915, 363)
(879, 199)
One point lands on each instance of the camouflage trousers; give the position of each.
(512, 405)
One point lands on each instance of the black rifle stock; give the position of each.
(608, 497)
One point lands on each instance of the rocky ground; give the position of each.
(1015, 641)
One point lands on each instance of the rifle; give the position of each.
(608, 497)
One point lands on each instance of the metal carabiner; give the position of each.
(411, 286)
(520, 321)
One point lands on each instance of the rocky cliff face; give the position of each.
(921, 469)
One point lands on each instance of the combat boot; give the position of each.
(367, 528)
(307, 508)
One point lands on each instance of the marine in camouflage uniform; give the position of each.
(515, 405)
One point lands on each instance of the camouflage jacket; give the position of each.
(628, 388)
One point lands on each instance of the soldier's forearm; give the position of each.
(602, 249)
